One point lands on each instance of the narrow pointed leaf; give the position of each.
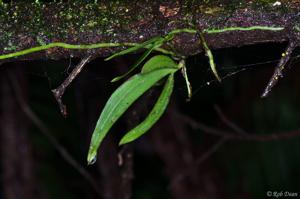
(159, 61)
(119, 102)
(140, 60)
(157, 111)
(210, 57)
(186, 78)
(135, 48)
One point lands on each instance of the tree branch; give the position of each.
(107, 25)
(232, 135)
(46, 132)
(59, 91)
(278, 72)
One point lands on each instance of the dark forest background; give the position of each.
(218, 145)
(175, 159)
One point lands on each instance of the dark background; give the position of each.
(174, 159)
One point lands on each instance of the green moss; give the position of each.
(106, 22)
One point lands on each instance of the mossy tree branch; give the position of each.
(26, 25)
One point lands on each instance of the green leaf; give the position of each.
(140, 60)
(157, 111)
(135, 48)
(119, 102)
(186, 78)
(159, 61)
(210, 57)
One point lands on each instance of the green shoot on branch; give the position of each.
(186, 78)
(138, 46)
(121, 100)
(151, 44)
(210, 57)
(156, 44)
(157, 111)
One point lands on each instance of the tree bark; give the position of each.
(25, 25)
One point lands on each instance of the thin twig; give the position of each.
(234, 136)
(286, 56)
(238, 134)
(228, 122)
(210, 151)
(125, 162)
(46, 132)
(207, 154)
(59, 91)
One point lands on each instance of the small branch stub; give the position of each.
(278, 73)
(59, 91)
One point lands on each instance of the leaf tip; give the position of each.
(115, 79)
(124, 140)
(92, 158)
(108, 58)
(218, 77)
